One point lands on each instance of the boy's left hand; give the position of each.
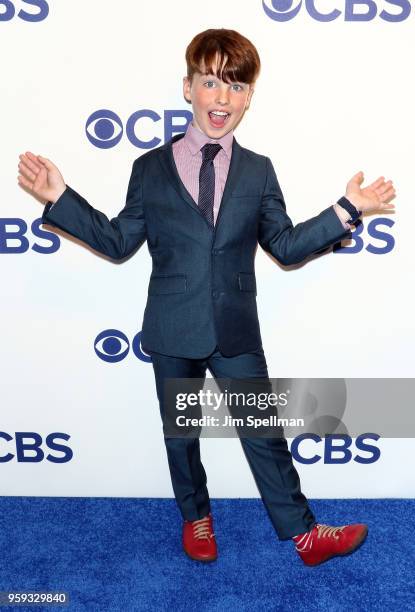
(376, 196)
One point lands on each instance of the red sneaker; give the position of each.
(199, 540)
(324, 542)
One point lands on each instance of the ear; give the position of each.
(186, 89)
(248, 101)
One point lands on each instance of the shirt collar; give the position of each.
(195, 139)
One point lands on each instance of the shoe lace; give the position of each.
(201, 528)
(305, 544)
(327, 530)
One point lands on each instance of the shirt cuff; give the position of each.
(343, 216)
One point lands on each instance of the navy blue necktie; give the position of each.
(207, 180)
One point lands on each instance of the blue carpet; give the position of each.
(117, 554)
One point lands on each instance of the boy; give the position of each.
(203, 203)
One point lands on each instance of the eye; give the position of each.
(210, 84)
(237, 87)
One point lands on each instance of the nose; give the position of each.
(222, 95)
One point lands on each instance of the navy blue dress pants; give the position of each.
(269, 458)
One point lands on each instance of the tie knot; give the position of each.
(210, 150)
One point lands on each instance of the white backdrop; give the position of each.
(333, 98)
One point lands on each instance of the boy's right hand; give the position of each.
(40, 177)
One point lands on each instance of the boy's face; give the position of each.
(218, 107)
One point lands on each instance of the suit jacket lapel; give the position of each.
(233, 174)
(169, 166)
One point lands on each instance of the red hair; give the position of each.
(238, 59)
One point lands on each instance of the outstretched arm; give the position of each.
(115, 238)
(291, 244)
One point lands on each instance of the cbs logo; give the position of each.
(13, 237)
(104, 128)
(28, 447)
(374, 230)
(336, 449)
(112, 345)
(354, 10)
(8, 10)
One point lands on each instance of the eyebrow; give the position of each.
(210, 75)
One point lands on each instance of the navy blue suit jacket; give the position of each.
(202, 289)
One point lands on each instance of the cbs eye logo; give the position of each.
(280, 10)
(104, 128)
(283, 10)
(8, 10)
(112, 345)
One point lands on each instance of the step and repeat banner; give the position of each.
(94, 85)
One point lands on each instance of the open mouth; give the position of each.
(218, 118)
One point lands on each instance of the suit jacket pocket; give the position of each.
(247, 281)
(163, 284)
